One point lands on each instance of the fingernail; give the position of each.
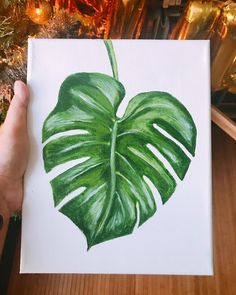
(17, 87)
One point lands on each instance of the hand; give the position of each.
(14, 149)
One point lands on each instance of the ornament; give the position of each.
(13, 59)
(62, 25)
(198, 20)
(230, 83)
(6, 94)
(39, 11)
(15, 56)
(60, 4)
(223, 47)
(6, 28)
(216, 21)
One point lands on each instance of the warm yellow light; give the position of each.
(125, 2)
(38, 11)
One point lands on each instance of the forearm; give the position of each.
(14, 148)
(4, 218)
(10, 195)
(10, 201)
(4, 209)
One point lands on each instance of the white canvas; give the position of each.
(177, 239)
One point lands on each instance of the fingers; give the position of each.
(22, 93)
(16, 116)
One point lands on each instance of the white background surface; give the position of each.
(177, 239)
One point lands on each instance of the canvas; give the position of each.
(119, 176)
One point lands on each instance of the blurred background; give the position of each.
(123, 19)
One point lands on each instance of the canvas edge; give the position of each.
(29, 70)
(211, 271)
(23, 266)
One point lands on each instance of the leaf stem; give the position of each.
(112, 158)
(112, 58)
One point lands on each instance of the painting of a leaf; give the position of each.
(115, 153)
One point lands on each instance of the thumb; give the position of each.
(16, 115)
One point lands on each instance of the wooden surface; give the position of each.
(224, 223)
(223, 121)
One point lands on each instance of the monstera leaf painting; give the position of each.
(115, 155)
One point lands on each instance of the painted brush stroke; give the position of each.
(115, 195)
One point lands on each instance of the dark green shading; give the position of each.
(114, 153)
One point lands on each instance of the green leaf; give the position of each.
(114, 153)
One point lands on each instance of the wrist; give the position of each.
(10, 194)
(4, 209)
